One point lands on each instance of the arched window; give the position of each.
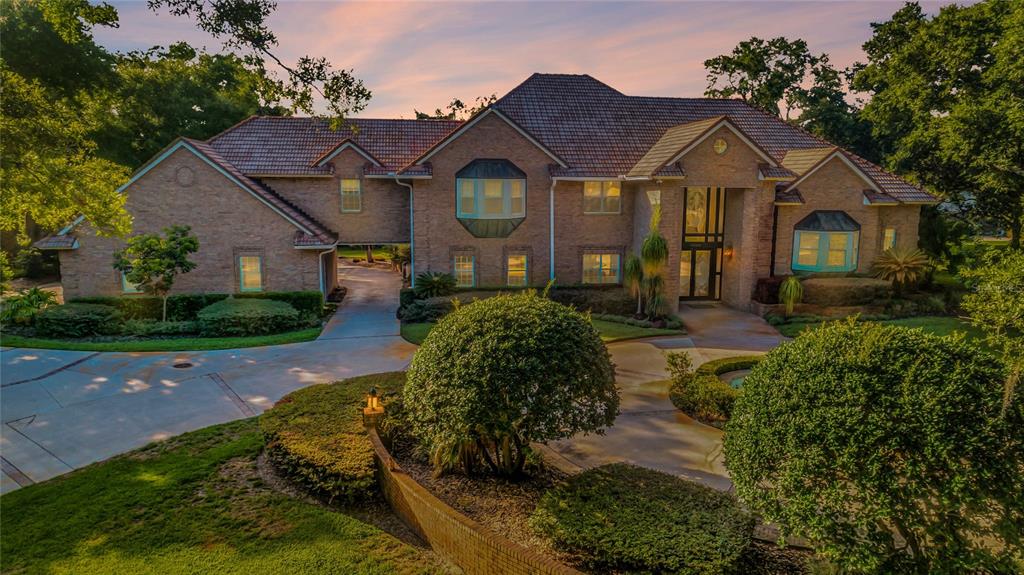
(826, 241)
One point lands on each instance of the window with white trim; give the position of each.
(250, 273)
(127, 286)
(516, 273)
(464, 270)
(888, 238)
(602, 198)
(601, 268)
(351, 195)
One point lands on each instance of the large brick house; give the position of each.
(556, 180)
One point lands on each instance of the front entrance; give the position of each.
(701, 257)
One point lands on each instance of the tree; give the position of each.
(497, 374)
(458, 110)
(885, 447)
(996, 305)
(945, 101)
(152, 262)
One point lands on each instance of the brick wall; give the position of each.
(227, 220)
(384, 217)
(577, 233)
(451, 534)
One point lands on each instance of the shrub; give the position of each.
(497, 374)
(902, 266)
(23, 307)
(34, 263)
(423, 310)
(885, 447)
(316, 436)
(307, 303)
(767, 289)
(791, 292)
(75, 320)
(434, 284)
(837, 291)
(701, 394)
(149, 327)
(596, 299)
(243, 317)
(405, 297)
(620, 517)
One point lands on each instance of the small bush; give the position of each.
(180, 307)
(406, 296)
(151, 328)
(244, 317)
(701, 394)
(316, 436)
(839, 291)
(307, 303)
(434, 284)
(75, 320)
(595, 299)
(425, 310)
(620, 517)
(22, 308)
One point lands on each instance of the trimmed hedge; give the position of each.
(612, 299)
(701, 394)
(840, 291)
(316, 436)
(75, 320)
(244, 317)
(186, 307)
(620, 517)
(150, 328)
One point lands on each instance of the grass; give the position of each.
(610, 331)
(192, 504)
(171, 344)
(379, 253)
(938, 325)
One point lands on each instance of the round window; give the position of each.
(721, 146)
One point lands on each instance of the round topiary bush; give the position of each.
(884, 446)
(73, 320)
(242, 317)
(621, 517)
(499, 373)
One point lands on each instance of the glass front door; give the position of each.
(700, 262)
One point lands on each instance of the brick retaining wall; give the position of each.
(451, 534)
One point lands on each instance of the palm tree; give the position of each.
(653, 257)
(633, 277)
(901, 266)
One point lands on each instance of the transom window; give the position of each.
(490, 189)
(465, 271)
(826, 241)
(602, 198)
(601, 268)
(351, 195)
(516, 273)
(250, 273)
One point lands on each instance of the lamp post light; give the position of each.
(373, 408)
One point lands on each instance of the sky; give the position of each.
(420, 55)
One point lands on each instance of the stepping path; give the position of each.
(650, 431)
(62, 410)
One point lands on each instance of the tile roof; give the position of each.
(775, 172)
(791, 196)
(799, 161)
(290, 145)
(57, 242)
(671, 143)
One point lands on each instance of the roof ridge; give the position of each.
(230, 128)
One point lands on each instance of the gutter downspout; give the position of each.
(551, 230)
(320, 268)
(412, 234)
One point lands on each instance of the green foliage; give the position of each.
(996, 305)
(458, 110)
(434, 284)
(903, 267)
(35, 264)
(425, 310)
(791, 291)
(653, 258)
(309, 304)
(700, 394)
(844, 291)
(595, 299)
(151, 328)
(633, 277)
(503, 372)
(6, 272)
(22, 308)
(316, 435)
(400, 256)
(885, 447)
(152, 262)
(163, 343)
(74, 320)
(246, 317)
(623, 518)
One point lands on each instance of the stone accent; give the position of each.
(225, 218)
(451, 534)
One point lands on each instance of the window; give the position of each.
(516, 274)
(888, 239)
(127, 286)
(465, 272)
(250, 273)
(825, 251)
(808, 250)
(490, 190)
(602, 198)
(351, 196)
(601, 268)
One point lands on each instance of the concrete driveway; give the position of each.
(62, 410)
(650, 431)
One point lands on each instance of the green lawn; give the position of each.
(192, 504)
(350, 252)
(939, 325)
(175, 344)
(610, 331)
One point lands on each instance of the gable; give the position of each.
(837, 156)
(678, 141)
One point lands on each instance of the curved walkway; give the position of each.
(62, 410)
(650, 431)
